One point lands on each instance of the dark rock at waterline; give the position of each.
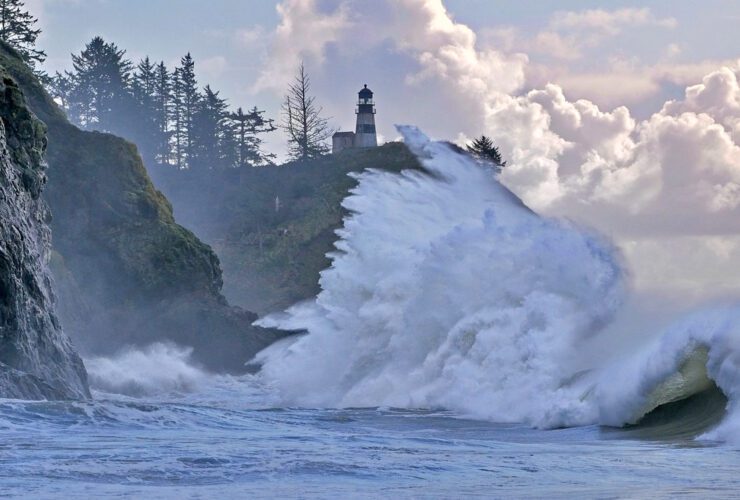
(37, 360)
(221, 336)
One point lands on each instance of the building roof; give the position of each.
(343, 134)
(366, 92)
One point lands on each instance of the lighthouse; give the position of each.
(365, 136)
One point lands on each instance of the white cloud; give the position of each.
(676, 172)
(572, 37)
(422, 29)
(447, 50)
(718, 95)
(621, 82)
(608, 22)
(303, 34)
(568, 34)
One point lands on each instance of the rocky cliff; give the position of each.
(127, 272)
(37, 360)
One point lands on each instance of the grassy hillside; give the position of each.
(127, 272)
(273, 226)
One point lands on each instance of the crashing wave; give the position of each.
(446, 291)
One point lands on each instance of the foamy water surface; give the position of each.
(224, 441)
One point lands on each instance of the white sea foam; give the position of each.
(156, 369)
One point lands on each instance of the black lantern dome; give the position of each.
(366, 93)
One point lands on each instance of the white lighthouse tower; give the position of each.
(365, 136)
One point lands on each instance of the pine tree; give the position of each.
(162, 104)
(185, 100)
(144, 81)
(209, 130)
(145, 133)
(484, 149)
(17, 30)
(307, 130)
(190, 99)
(176, 115)
(101, 98)
(246, 130)
(228, 155)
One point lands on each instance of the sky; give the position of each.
(624, 116)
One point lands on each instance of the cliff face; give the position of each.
(37, 360)
(127, 272)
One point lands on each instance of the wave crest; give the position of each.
(157, 369)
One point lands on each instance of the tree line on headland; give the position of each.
(163, 111)
(168, 116)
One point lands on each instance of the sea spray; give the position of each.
(159, 368)
(167, 371)
(446, 291)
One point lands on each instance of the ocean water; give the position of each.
(461, 345)
(221, 441)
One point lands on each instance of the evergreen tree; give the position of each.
(145, 133)
(209, 131)
(228, 156)
(185, 103)
(176, 117)
(307, 130)
(246, 130)
(144, 81)
(101, 98)
(484, 149)
(17, 30)
(161, 105)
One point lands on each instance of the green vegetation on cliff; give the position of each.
(141, 276)
(272, 227)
